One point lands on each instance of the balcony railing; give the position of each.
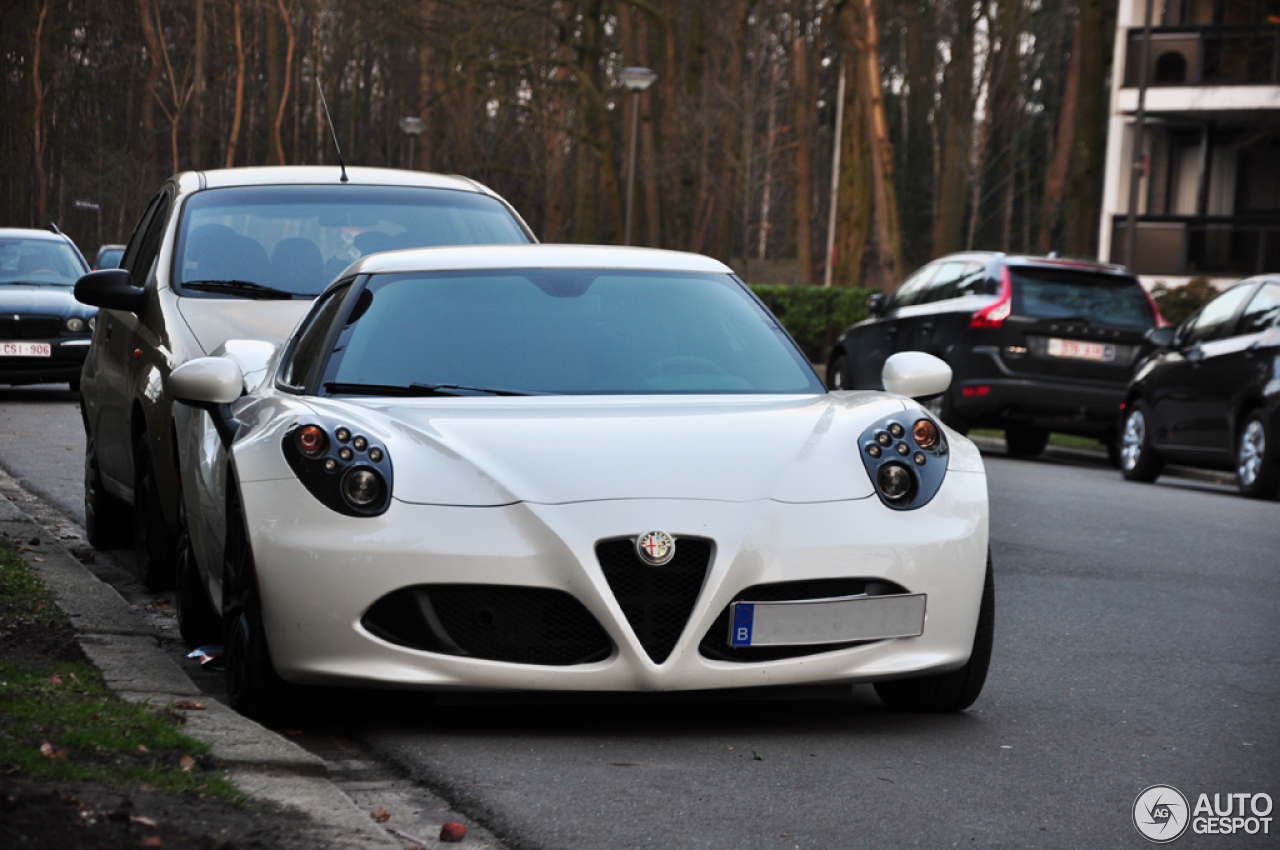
(1207, 56)
(1193, 245)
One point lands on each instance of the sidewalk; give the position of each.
(266, 766)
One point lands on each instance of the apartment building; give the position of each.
(1209, 197)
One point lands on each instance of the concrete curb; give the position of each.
(1209, 476)
(124, 647)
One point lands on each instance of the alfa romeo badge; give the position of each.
(656, 548)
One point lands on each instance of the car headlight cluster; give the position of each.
(75, 325)
(906, 457)
(340, 468)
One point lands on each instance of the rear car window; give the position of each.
(1098, 299)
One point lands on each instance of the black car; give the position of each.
(1210, 396)
(44, 330)
(1036, 344)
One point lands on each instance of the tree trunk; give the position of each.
(917, 176)
(426, 84)
(1056, 181)
(887, 271)
(197, 121)
(957, 137)
(151, 92)
(1084, 183)
(238, 32)
(802, 99)
(278, 118)
(856, 206)
(38, 141)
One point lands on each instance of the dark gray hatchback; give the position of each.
(1036, 344)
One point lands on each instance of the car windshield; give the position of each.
(574, 331)
(1097, 299)
(48, 262)
(296, 239)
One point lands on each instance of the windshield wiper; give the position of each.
(239, 287)
(417, 390)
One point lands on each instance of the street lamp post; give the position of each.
(412, 126)
(636, 80)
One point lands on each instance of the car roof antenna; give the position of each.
(336, 146)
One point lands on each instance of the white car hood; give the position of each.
(213, 321)
(560, 450)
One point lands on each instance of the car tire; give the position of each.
(253, 687)
(957, 690)
(74, 383)
(1025, 441)
(153, 541)
(838, 376)
(108, 521)
(1257, 462)
(198, 622)
(1139, 461)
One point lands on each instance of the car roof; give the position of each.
(1038, 260)
(32, 233)
(465, 257)
(275, 175)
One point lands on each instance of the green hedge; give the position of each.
(814, 315)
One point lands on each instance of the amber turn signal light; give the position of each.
(925, 433)
(311, 441)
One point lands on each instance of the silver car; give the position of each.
(232, 254)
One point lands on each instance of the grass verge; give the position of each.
(58, 719)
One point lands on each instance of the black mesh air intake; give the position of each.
(657, 601)
(522, 625)
(715, 643)
(30, 327)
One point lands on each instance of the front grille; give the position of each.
(656, 601)
(715, 643)
(521, 625)
(29, 327)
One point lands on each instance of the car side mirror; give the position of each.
(211, 384)
(112, 289)
(1162, 337)
(915, 374)
(875, 305)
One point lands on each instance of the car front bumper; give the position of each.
(66, 359)
(320, 572)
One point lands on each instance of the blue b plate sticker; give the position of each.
(742, 622)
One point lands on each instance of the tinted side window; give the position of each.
(974, 282)
(943, 284)
(311, 339)
(910, 290)
(1262, 311)
(150, 245)
(139, 232)
(1214, 319)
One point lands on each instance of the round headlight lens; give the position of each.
(362, 488)
(925, 433)
(93, 322)
(75, 325)
(894, 481)
(311, 441)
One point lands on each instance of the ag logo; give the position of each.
(655, 548)
(1161, 814)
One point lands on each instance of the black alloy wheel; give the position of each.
(253, 686)
(1139, 461)
(959, 689)
(153, 541)
(1024, 440)
(108, 521)
(198, 622)
(1257, 462)
(838, 377)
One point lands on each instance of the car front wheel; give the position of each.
(957, 690)
(1256, 462)
(1138, 460)
(107, 520)
(198, 622)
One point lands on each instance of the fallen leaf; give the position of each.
(46, 750)
(152, 841)
(68, 798)
(453, 832)
(144, 821)
(34, 558)
(188, 763)
(188, 705)
(142, 748)
(380, 815)
(55, 679)
(756, 756)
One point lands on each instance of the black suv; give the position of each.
(1036, 344)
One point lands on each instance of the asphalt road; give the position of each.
(1137, 639)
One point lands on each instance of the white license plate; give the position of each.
(26, 349)
(817, 621)
(1081, 350)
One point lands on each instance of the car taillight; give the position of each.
(1161, 321)
(994, 315)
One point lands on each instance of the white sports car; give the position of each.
(576, 468)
